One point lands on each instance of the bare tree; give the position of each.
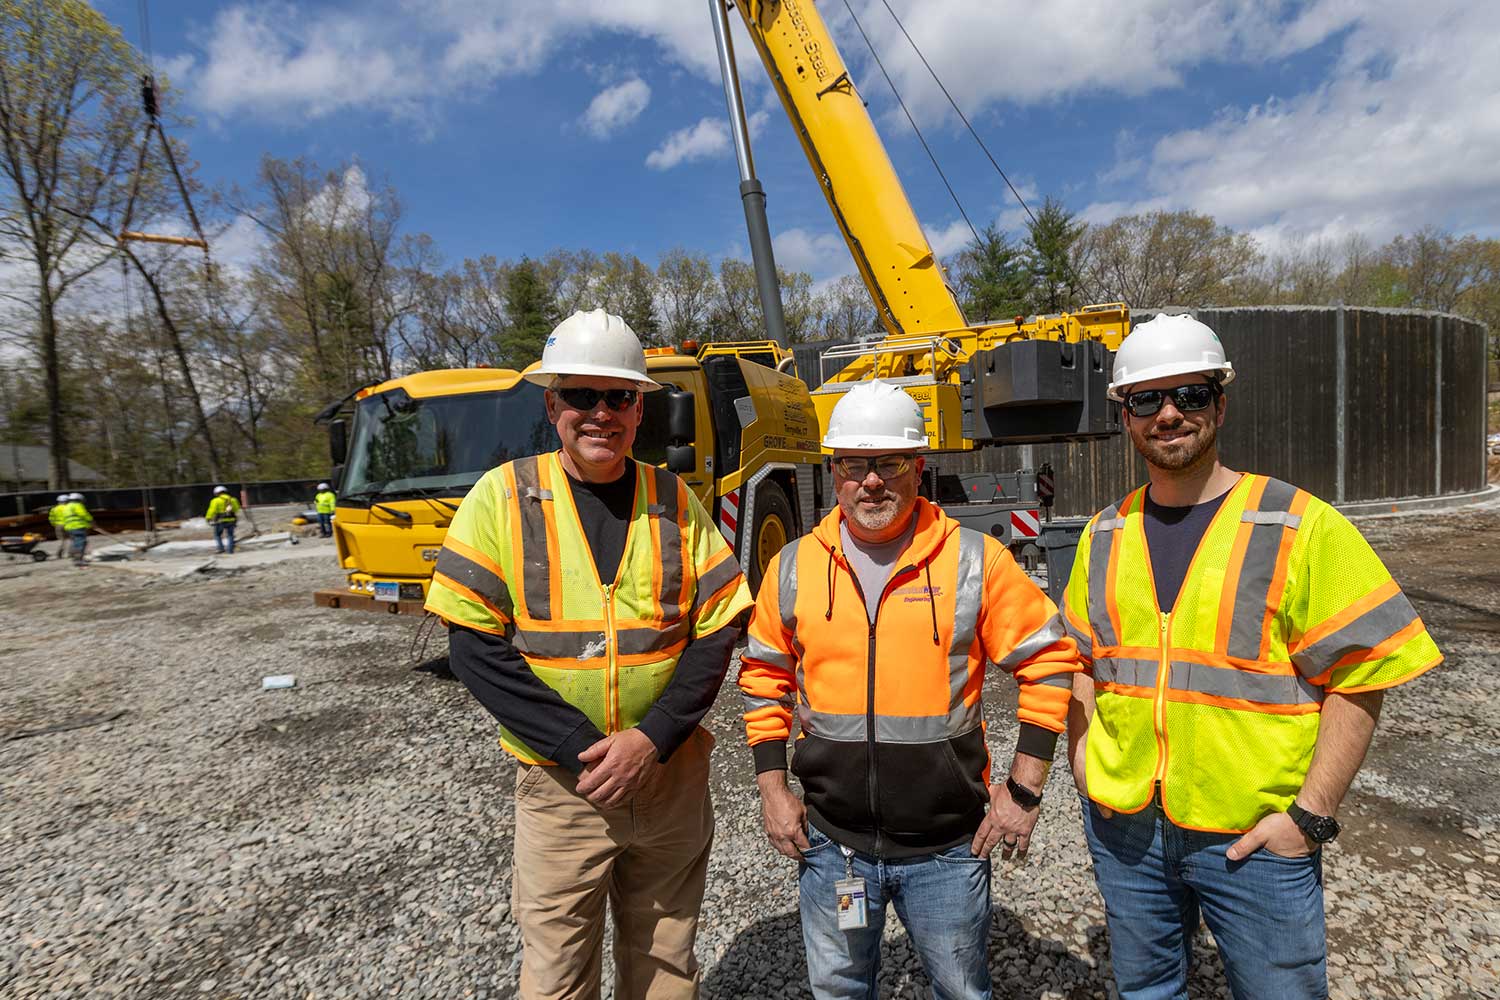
(68, 119)
(1165, 258)
(685, 283)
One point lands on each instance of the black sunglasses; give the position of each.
(886, 466)
(1187, 398)
(583, 398)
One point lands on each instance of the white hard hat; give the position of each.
(876, 416)
(64, 497)
(75, 496)
(593, 343)
(322, 486)
(1168, 345)
(219, 489)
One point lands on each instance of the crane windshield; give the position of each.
(441, 445)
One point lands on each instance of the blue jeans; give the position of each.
(325, 525)
(1265, 912)
(222, 532)
(943, 900)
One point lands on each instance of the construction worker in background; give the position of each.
(325, 502)
(599, 687)
(223, 514)
(1241, 634)
(55, 517)
(875, 631)
(76, 522)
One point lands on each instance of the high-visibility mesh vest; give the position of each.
(57, 514)
(76, 517)
(516, 563)
(325, 501)
(1219, 699)
(223, 509)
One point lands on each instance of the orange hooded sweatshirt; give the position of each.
(891, 754)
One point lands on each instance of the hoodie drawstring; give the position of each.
(931, 600)
(828, 615)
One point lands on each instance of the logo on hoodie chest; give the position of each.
(917, 594)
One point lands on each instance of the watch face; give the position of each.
(1322, 828)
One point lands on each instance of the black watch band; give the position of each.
(1025, 797)
(1319, 829)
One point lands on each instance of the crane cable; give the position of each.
(920, 138)
(151, 107)
(1067, 262)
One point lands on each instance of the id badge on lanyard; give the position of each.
(849, 896)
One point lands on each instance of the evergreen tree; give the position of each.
(531, 313)
(993, 279)
(1048, 253)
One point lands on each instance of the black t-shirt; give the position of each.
(1172, 536)
(604, 510)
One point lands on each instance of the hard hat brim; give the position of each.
(545, 377)
(874, 442)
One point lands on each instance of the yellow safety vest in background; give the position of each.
(325, 502)
(223, 509)
(57, 514)
(516, 562)
(1219, 699)
(76, 517)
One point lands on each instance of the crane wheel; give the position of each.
(771, 531)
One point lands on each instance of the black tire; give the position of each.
(37, 555)
(774, 526)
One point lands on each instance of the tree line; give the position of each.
(160, 364)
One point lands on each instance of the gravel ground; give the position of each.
(351, 837)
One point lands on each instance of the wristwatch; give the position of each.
(1025, 797)
(1319, 829)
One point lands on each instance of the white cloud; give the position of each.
(1023, 52)
(1404, 132)
(615, 107)
(708, 138)
(948, 240)
(405, 57)
(824, 255)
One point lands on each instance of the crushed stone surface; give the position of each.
(351, 836)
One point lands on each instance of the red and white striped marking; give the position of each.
(1024, 524)
(729, 514)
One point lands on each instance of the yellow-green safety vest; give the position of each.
(76, 517)
(516, 563)
(1219, 698)
(325, 501)
(223, 509)
(57, 514)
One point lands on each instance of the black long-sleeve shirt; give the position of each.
(497, 674)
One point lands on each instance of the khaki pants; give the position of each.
(63, 538)
(648, 858)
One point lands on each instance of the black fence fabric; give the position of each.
(171, 503)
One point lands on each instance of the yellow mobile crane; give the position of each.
(1014, 382)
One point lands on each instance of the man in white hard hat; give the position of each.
(223, 514)
(591, 605)
(76, 522)
(324, 502)
(874, 632)
(55, 517)
(1240, 634)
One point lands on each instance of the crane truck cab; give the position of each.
(733, 421)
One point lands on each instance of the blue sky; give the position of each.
(1292, 121)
